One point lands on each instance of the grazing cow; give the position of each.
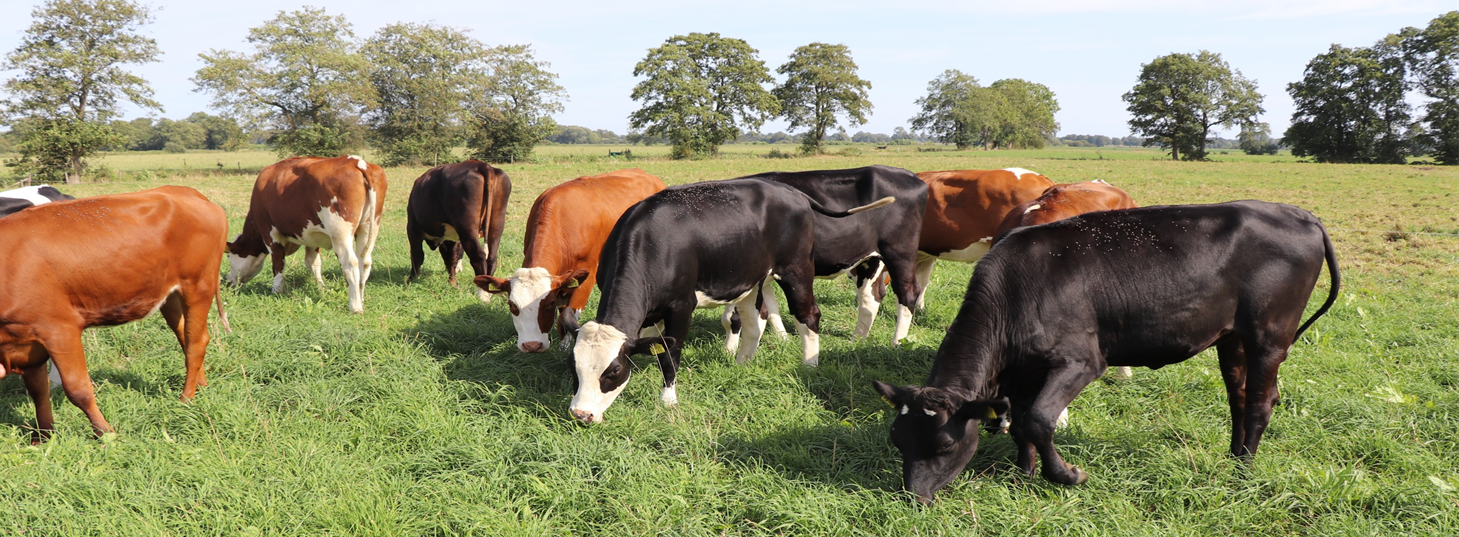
(448, 201)
(1063, 201)
(105, 261)
(1053, 305)
(964, 209)
(868, 244)
(565, 234)
(313, 202)
(698, 245)
(12, 201)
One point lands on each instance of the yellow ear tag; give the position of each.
(888, 402)
(572, 284)
(991, 414)
(656, 348)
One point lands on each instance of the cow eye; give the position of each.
(514, 309)
(613, 370)
(945, 445)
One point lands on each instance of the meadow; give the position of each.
(420, 417)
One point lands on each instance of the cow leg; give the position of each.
(1037, 425)
(475, 253)
(771, 308)
(731, 322)
(195, 345)
(676, 325)
(172, 310)
(567, 326)
(749, 332)
(64, 347)
(365, 236)
(923, 277)
(905, 285)
(451, 255)
(800, 294)
(867, 302)
(417, 248)
(344, 248)
(1261, 392)
(1233, 372)
(39, 388)
(311, 260)
(277, 253)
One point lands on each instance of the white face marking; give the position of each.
(597, 346)
(970, 254)
(670, 397)
(929, 412)
(241, 269)
(529, 285)
(1018, 172)
(360, 163)
(904, 410)
(30, 193)
(1032, 208)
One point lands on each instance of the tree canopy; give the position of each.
(512, 112)
(424, 76)
(699, 90)
(1007, 114)
(1178, 98)
(1432, 55)
(820, 85)
(72, 80)
(1350, 107)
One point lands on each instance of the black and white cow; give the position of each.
(692, 246)
(1051, 306)
(12, 201)
(868, 244)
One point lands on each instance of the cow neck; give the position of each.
(972, 355)
(624, 307)
(249, 240)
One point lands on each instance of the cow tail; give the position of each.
(222, 315)
(841, 214)
(1332, 271)
(367, 212)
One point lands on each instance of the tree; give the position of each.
(1256, 139)
(218, 132)
(1350, 107)
(699, 89)
(1028, 116)
(821, 84)
(304, 81)
(424, 76)
(943, 113)
(1432, 55)
(1180, 97)
(72, 80)
(513, 112)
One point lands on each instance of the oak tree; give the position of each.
(1179, 98)
(699, 90)
(820, 85)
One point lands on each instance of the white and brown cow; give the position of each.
(451, 207)
(105, 261)
(565, 234)
(12, 201)
(315, 203)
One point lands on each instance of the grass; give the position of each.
(420, 418)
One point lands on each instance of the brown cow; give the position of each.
(565, 234)
(470, 196)
(964, 209)
(315, 203)
(105, 261)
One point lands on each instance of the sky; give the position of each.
(1088, 52)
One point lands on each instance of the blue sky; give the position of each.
(1089, 52)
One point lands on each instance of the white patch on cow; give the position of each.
(31, 194)
(810, 343)
(904, 410)
(866, 303)
(986, 239)
(279, 283)
(1018, 172)
(528, 286)
(751, 326)
(597, 346)
(1063, 420)
(242, 269)
(360, 163)
(904, 324)
(670, 397)
(929, 412)
(449, 234)
(772, 306)
(1032, 208)
(1100, 181)
(311, 260)
(706, 301)
(973, 252)
(337, 233)
(731, 337)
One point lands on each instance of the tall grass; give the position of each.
(419, 417)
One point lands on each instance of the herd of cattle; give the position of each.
(1072, 279)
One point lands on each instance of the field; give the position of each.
(419, 417)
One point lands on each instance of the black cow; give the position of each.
(1051, 306)
(866, 244)
(689, 246)
(451, 207)
(12, 201)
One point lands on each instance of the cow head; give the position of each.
(600, 357)
(534, 297)
(937, 432)
(244, 259)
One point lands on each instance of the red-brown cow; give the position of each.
(452, 207)
(964, 209)
(105, 261)
(316, 203)
(565, 234)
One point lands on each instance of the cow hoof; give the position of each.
(1080, 476)
(811, 362)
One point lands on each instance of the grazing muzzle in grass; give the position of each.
(936, 431)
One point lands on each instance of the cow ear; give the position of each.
(893, 395)
(987, 409)
(652, 345)
(227, 247)
(570, 280)
(493, 284)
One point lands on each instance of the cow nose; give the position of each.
(533, 346)
(584, 416)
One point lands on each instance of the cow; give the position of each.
(105, 261)
(964, 209)
(1063, 201)
(866, 245)
(314, 202)
(12, 201)
(452, 207)
(689, 246)
(565, 234)
(1051, 306)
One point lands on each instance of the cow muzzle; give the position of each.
(588, 417)
(533, 346)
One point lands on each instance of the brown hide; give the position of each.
(470, 197)
(965, 206)
(1064, 201)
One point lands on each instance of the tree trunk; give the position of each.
(75, 176)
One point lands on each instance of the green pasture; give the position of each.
(419, 417)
